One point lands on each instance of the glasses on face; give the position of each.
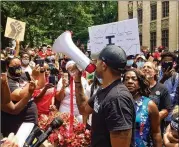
(25, 57)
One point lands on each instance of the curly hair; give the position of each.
(142, 80)
(168, 54)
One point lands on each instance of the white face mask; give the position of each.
(44, 48)
(25, 62)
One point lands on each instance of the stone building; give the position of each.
(158, 21)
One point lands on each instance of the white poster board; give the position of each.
(123, 33)
(15, 29)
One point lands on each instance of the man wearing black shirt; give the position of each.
(112, 107)
(159, 93)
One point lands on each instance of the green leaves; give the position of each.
(46, 20)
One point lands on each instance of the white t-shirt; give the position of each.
(89, 121)
(27, 69)
(65, 103)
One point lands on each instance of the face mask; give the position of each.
(25, 62)
(15, 71)
(130, 62)
(44, 48)
(140, 64)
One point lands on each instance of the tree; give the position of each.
(45, 21)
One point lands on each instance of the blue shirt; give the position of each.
(171, 85)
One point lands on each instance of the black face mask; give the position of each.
(15, 71)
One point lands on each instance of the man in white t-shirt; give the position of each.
(63, 91)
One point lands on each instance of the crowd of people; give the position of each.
(128, 101)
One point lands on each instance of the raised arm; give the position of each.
(81, 99)
(39, 76)
(5, 91)
(42, 93)
(20, 105)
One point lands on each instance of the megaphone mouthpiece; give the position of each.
(90, 68)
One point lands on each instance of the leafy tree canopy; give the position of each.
(45, 21)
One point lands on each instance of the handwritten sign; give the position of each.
(123, 33)
(15, 29)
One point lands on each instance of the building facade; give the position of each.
(158, 22)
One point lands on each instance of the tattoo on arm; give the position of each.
(80, 96)
(122, 134)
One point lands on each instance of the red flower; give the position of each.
(60, 136)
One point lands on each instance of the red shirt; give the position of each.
(42, 54)
(156, 55)
(44, 103)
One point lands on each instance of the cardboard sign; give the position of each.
(123, 33)
(15, 29)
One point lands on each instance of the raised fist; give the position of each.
(16, 29)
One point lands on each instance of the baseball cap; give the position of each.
(130, 57)
(114, 57)
(141, 56)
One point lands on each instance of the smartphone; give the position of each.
(28, 76)
(52, 79)
(167, 65)
(40, 62)
(3, 66)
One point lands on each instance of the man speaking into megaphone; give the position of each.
(64, 44)
(112, 107)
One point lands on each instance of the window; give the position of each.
(165, 38)
(130, 15)
(153, 12)
(140, 39)
(139, 15)
(165, 8)
(153, 38)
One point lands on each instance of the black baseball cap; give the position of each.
(114, 57)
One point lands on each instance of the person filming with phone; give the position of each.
(19, 90)
(169, 77)
(44, 98)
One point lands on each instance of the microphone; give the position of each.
(57, 122)
(35, 132)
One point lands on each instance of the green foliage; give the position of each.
(46, 20)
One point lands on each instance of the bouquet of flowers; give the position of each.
(80, 137)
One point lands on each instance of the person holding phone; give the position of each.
(44, 98)
(169, 77)
(63, 91)
(20, 92)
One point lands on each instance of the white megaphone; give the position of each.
(64, 44)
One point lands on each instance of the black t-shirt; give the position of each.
(114, 110)
(160, 95)
(11, 123)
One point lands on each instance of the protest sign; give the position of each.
(15, 29)
(123, 33)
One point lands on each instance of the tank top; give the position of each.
(143, 130)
